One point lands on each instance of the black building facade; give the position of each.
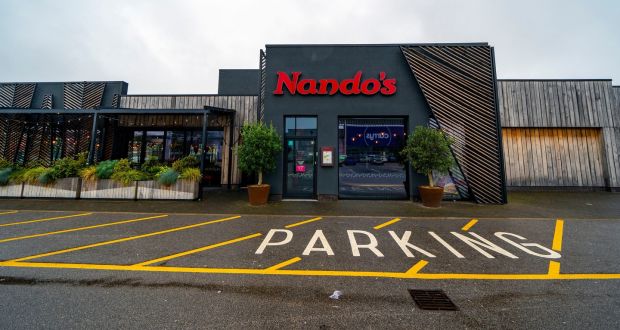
(360, 101)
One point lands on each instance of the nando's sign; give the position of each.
(329, 86)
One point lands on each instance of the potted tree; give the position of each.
(257, 153)
(428, 150)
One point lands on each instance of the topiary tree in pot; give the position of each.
(428, 150)
(260, 144)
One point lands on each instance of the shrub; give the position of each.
(16, 175)
(89, 173)
(169, 177)
(48, 176)
(191, 174)
(185, 162)
(5, 163)
(5, 175)
(68, 167)
(428, 149)
(124, 174)
(258, 149)
(32, 175)
(105, 169)
(151, 166)
(128, 176)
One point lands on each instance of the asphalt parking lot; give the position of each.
(283, 268)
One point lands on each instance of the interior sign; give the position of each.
(363, 240)
(330, 86)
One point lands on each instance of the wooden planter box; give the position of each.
(11, 190)
(61, 188)
(181, 190)
(107, 189)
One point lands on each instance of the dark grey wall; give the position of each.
(238, 82)
(340, 62)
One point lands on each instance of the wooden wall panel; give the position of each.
(246, 108)
(550, 157)
(558, 104)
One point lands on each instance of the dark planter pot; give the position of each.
(431, 196)
(258, 194)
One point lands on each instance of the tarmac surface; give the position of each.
(511, 266)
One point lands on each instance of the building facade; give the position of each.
(344, 112)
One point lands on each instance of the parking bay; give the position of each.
(189, 242)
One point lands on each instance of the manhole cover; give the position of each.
(432, 300)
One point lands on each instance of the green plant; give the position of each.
(68, 167)
(5, 175)
(5, 163)
(124, 174)
(191, 174)
(151, 166)
(89, 173)
(258, 149)
(186, 162)
(48, 176)
(169, 177)
(16, 175)
(127, 177)
(428, 149)
(32, 175)
(105, 169)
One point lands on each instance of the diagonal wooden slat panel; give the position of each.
(48, 101)
(23, 95)
(72, 96)
(458, 83)
(7, 91)
(93, 94)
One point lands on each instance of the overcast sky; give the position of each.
(178, 46)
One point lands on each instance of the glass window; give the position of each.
(154, 144)
(370, 165)
(289, 125)
(300, 126)
(135, 147)
(174, 145)
(305, 126)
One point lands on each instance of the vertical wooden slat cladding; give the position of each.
(554, 157)
(564, 105)
(458, 83)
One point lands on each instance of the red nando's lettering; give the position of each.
(330, 86)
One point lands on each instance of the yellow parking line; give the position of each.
(470, 224)
(417, 267)
(294, 272)
(302, 222)
(8, 212)
(557, 235)
(45, 219)
(385, 224)
(554, 268)
(204, 248)
(77, 248)
(80, 228)
(283, 264)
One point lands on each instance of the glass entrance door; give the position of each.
(300, 168)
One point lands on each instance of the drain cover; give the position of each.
(432, 300)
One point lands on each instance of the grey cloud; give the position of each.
(178, 46)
